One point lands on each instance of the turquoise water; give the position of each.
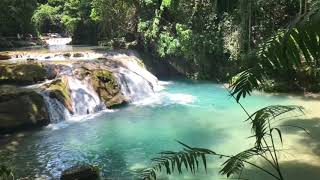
(198, 113)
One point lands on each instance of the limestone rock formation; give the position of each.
(21, 108)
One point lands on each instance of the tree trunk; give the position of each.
(245, 27)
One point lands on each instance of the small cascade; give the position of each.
(57, 111)
(85, 100)
(136, 82)
(133, 86)
(58, 41)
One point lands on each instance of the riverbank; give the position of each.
(9, 43)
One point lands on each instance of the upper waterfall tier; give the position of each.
(58, 41)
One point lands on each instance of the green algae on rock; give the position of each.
(59, 90)
(107, 87)
(22, 73)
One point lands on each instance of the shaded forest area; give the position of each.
(203, 39)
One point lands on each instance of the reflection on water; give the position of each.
(122, 140)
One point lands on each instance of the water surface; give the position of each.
(197, 113)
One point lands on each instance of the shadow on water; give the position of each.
(311, 140)
(296, 169)
(292, 170)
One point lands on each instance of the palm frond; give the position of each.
(170, 161)
(243, 83)
(235, 164)
(261, 119)
(287, 53)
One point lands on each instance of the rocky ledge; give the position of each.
(21, 108)
(80, 87)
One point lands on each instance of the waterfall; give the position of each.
(58, 41)
(85, 100)
(135, 81)
(57, 111)
(133, 86)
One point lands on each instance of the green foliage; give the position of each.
(291, 57)
(262, 119)
(171, 161)
(15, 16)
(45, 16)
(6, 173)
(116, 18)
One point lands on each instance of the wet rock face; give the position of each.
(21, 108)
(22, 73)
(83, 172)
(75, 87)
(103, 82)
(59, 89)
(107, 87)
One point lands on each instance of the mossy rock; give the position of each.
(59, 89)
(21, 108)
(22, 73)
(107, 87)
(81, 172)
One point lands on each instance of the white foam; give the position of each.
(165, 99)
(58, 41)
(162, 85)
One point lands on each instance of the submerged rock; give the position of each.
(83, 172)
(21, 108)
(22, 73)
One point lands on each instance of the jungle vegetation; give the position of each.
(206, 39)
(270, 45)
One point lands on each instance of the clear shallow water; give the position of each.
(197, 113)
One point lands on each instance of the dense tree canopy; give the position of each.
(214, 38)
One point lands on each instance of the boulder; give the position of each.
(59, 90)
(22, 73)
(67, 55)
(21, 108)
(82, 172)
(76, 55)
(5, 56)
(107, 87)
(103, 82)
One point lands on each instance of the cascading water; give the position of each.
(57, 111)
(58, 41)
(135, 81)
(132, 85)
(85, 100)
